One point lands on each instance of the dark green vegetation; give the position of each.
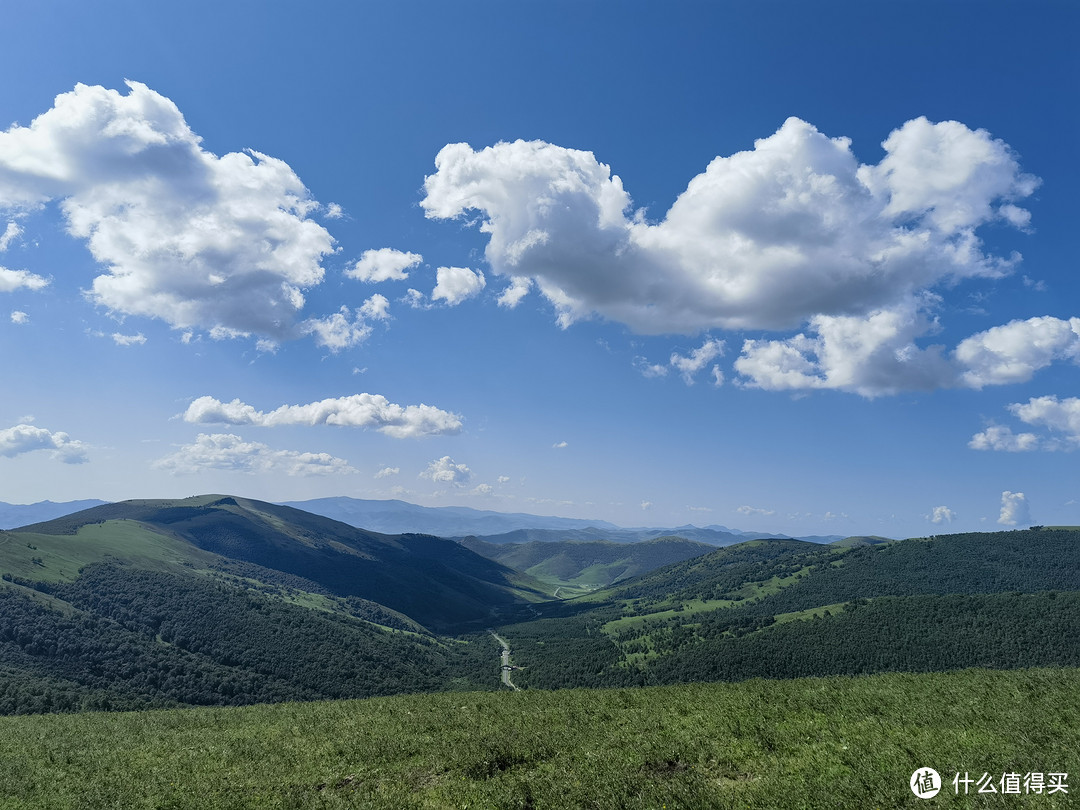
(764, 745)
(123, 638)
(572, 567)
(784, 608)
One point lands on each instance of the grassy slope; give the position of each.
(62, 555)
(802, 744)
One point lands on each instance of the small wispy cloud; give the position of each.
(128, 340)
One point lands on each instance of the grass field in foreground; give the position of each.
(812, 743)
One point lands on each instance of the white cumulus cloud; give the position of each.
(1013, 352)
(455, 284)
(792, 233)
(386, 472)
(870, 355)
(341, 330)
(357, 410)
(377, 308)
(25, 438)
(796, 214)
(1014, 509)
(941, 514)
(999, 437)
(19, 317)
(227, 451)
(384, 264)
(224, 244)
(1059, 417)
(445, 471)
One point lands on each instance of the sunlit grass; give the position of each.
(812, 743)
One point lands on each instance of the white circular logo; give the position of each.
(925, 783)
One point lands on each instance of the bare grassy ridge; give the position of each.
(810, 743)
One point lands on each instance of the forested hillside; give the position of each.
(782, 609)
(121, 637)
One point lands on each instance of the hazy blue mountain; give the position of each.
(711, 535)
(13, 515)
(399, 517)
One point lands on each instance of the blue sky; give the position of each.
(790, 267)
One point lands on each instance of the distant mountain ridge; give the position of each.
(397, 517)
(13, 515)
(401, 517)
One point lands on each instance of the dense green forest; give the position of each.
(782, 609)
(121, 637)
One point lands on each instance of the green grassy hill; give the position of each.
(756, 745)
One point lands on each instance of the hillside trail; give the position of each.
(505, 662)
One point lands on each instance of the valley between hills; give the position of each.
(219, 601)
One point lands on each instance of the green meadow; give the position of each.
(838, 742)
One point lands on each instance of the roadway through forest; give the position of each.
(505, 661)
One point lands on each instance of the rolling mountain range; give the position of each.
(401, 517)
(397, 517)
(394, 516)
(218, 600)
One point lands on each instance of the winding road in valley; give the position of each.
(505, 661)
